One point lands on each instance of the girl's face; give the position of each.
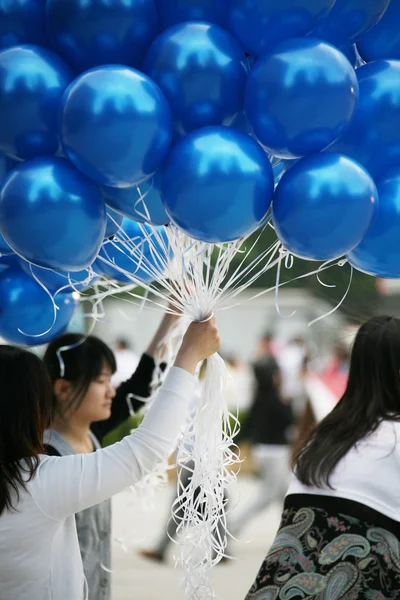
(96, 405)
(97, 402)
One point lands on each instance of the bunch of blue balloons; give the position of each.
(203, 113)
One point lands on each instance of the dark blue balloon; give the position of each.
(373, 138)
(260, 25)
(379, 252)
(301, 97)
(136, 259)
(202, 71)
(32, 81)
(178, 11)
(142, 202)
(6, 164)
(116, 125)
(59, 281)
(52, 215)
(349, 19)
(88, 33)
(114, 220)
(27, 311)
(323, 206)
(22, 22)
(217, 184)
(383, 40)
(9, 260)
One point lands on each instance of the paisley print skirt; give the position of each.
(330, 549)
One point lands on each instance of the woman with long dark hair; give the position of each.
(39, 495)
(339, 535)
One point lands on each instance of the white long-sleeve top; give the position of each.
(369, 473)
(39, 551)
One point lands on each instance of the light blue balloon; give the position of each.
(383, 40)
(301, 97)
(22, 22)
(27, 311)
(217, 184)
(323, 206)
(349, 19)
(115, 125)
(32, 81)
(202, 71)
(131, 257)
(52, 215)
(141, 202)
(373, 137)
(378, 254)
(88, 33)
(178, 11)
(260, 25)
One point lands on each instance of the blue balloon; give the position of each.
(52, 215)
(378, 253)
(88, 33)
(32, 81)
(22, 22)
(142, 202)
(136, 259)
(114, 221)
(217, 184)
(301, 97)
(373, 138)
(178, 11)
(260, 25)
(59, 281)
(9, 260)
(383, 40)
(116, 125)
(6, 164)
(323, 206)
(27, 311)
(202, 71)
(349, 19)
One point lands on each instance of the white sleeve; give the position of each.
(66, 485)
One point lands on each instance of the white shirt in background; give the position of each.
(127, 361)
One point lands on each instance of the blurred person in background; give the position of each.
(126, 360)
(87, 408)
(291, 364)
(336, 372)
(267, 429)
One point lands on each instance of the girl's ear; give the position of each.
(62, 389)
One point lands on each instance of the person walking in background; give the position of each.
(39, 495)
(126, 361)
(86, 409)
(339, 536)
(291, 364)
(267, 428)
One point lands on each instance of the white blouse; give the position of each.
(39, 551)
(369, 473)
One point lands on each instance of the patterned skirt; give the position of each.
(330, 549)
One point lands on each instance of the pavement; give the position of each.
(134, 528)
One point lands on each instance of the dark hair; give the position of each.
(80, 360)
(25, 412)
(372, 395)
